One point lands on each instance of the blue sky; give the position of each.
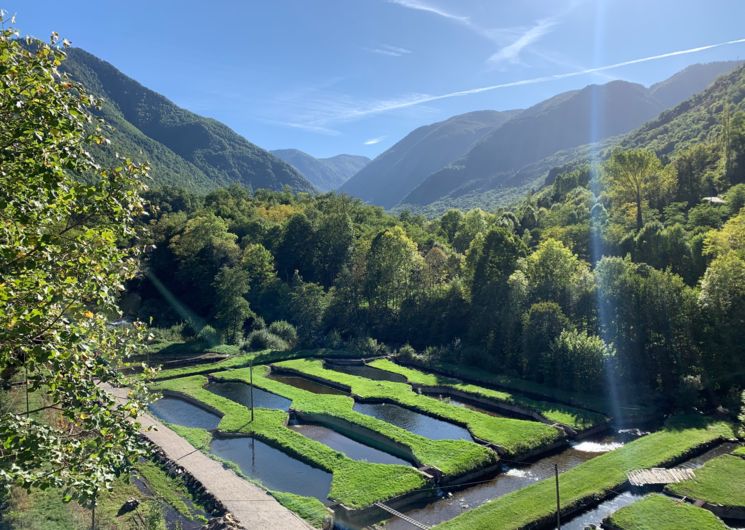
(355, 76)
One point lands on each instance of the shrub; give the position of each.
(285, 331)
(264, 340)
(209, 336)
(578, 360)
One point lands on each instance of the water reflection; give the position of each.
(306, 384)
(415, 422)
(368, 372)
(241, 393)
(181, 412)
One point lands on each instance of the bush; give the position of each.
(578, 360)
(209, 336)
(264, 340)
(285, 331)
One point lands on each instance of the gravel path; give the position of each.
(253, 507)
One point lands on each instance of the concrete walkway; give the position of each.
(253, 507)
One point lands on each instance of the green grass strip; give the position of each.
(573, 417)
(719, 481)
(593, 479)
(657, 512)
(355, 484)
(514, 436)
(452, 457)
(740, 451)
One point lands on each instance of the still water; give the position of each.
(241, 393)
(181, 412)
(306, 384)
(415, 422)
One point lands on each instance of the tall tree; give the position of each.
(633, 176)
(62, 217)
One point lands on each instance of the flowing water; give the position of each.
(241, 393)
(181, 412)
(306, 384)
(273, 468)
(415, 422)
(353, 449)
(455, 500)
(368, 372)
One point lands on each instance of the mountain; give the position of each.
(326, 174)
(182, 148)
(569, 120)
(393, 174)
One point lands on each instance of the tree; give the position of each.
(63, 215)
(391, 263)
(231, 308)
(633, 176)
(295, 251)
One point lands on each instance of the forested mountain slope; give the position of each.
(182, 148)
(400, 169)
(326, 174)
(507, 159)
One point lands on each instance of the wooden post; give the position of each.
(251, 376)
(558, 503)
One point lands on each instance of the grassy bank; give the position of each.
(593, 479)
(573, 417)
(514, 436)
(355, 483)
(719, 481)
(657, 512)
(452, 457)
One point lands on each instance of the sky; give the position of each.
(355, 76)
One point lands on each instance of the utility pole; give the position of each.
(251, 377)
(558, 504)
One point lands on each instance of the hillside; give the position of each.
(326, 174)
(400, 169)
(181, 147)
(502, 161)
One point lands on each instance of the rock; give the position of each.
(128, 506)
(226, 522)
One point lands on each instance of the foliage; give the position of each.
(67, 244)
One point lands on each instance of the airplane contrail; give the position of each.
(543, 79)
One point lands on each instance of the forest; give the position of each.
(628, 272)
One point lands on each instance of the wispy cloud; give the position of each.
(387, 49)
(422, 5)
(346, 110)
(373, 141)
(511, 52)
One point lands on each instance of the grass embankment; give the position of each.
(452, 457)
(594, 479)
(573, 417)
(740, 451)
(719, 481)
(580, 399)
(514, 436)
(355, 484)
(657, 512)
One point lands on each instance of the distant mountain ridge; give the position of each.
(400, 169)
(183, 148)
(326, 174)
(506, 160)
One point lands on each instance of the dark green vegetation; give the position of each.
(326, 174)
(181, 147)
(396, 172)
(719, 481)
(594, 479)
(657, 512)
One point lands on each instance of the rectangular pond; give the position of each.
(465, 404)
(366, 371)
(181, 412)
(306, 384)
(415, 422)
(352, 448)
(273, 468)
(241, 393)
